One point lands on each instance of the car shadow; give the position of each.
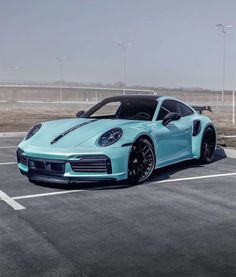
(161, 174)
(166, 172)
(104, 185)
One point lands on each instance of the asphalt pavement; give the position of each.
(180, 223)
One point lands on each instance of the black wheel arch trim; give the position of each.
(204, 129)
(127, 144)
(151, 140)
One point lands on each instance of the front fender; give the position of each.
(130, 134)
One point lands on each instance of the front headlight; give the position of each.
(110, 137)
(33, 131)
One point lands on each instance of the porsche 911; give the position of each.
(121, 137)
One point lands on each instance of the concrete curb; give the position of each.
(12, 134)
(230, 136)
(226, 153)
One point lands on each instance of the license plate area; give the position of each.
(46, 166)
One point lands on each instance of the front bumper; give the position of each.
(62, 180)
(73, 168)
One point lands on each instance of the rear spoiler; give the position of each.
(200, 109)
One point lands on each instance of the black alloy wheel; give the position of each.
(208, 145)
(141, 161)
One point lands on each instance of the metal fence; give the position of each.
(27, 102)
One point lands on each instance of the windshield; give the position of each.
(134, 109)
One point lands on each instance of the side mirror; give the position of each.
(170, 117)
(79, 114)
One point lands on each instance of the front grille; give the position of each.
(46, 166)
(93, 163)
(21, 158)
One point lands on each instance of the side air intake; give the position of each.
(196, 127)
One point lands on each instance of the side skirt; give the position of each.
(175, 162)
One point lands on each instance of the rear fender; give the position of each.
(197, 140)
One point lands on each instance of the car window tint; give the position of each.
(142, 109)
(168, 106)
(162, 113)
(133, 108)
(184, 110)
(171, 106)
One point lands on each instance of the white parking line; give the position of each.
(195, 178)
(16, 206)
(10, 201)
(7, 147)
(45, 194)
(8, 163)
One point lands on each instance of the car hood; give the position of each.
(69, 133)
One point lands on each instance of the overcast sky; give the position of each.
(175, 43)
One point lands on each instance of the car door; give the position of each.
(174, 141)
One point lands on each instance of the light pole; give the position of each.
(223, 29)
(60, 61)
(14, 68)
(124, 48)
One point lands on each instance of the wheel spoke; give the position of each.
(141, 162)
(206, 153)
(209, 144)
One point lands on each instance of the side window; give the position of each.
(162, 113)
(171, 106)
(184, 110)
(168, 106)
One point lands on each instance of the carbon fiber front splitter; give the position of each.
(59, 179)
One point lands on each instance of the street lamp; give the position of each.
(60, 61)
(124, 48)
(14, 68)
(223, 29)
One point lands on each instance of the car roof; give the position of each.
(132, 96)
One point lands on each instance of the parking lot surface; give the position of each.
(180, 223)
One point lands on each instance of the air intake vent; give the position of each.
(196, 127)
(21, 158)
(93, 163)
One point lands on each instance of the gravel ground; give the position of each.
(22, 117)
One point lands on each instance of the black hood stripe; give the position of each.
(72, 129)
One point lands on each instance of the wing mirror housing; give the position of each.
(170, 117)
(79, 114)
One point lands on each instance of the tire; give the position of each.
(208, 145)
(141, 161)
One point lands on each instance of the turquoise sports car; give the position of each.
(121, 137)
